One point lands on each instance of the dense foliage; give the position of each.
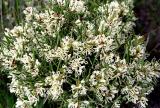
(78, 53)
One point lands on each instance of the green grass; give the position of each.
(7, 100)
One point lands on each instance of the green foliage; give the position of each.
(69, 54)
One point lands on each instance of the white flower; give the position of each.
(104, 90)
(138, 51)
(117, 105)
(90, 30)
(40, 90)
(114, 9)
(29, 11)
(84, 104)
(55, 81)
(78, 22)
(16, 31)
(113, 89)
(61, 2)
(102, 26)
(94, 78)
(79, 89)
(72, 104)
(114, 5)
(77, 65)
(33, 100)
(77, 5)
(20, 104)
(143, 102)
(14, 86)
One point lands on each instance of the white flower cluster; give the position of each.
(55, 81)
(82, 59)
(74, 5)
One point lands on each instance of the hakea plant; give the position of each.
(79, 54)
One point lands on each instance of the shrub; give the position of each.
(78, 54)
